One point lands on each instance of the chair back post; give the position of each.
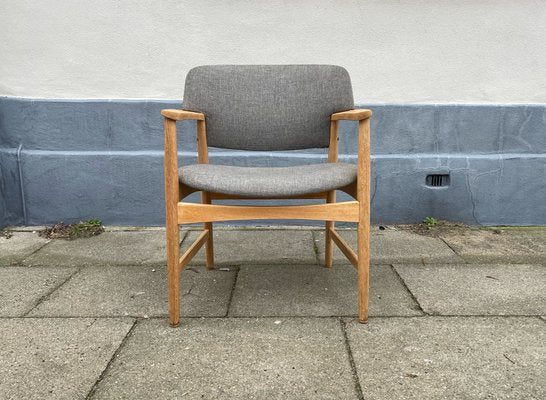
(333, 146)
(203, 158)
(331, 195)
(202, 148)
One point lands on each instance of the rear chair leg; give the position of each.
(329, 243)
(209, 246)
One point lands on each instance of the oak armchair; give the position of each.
(267, 108)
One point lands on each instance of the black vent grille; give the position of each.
(437, 180)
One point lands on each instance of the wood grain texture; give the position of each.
(207, 213)
(203, 158)
(345, 248)
(193, 249)
(363, 227)
(209, 246)
(328, 243)
(334, 141)
(202, 148)
(181, 115)
(331, 195)
(171, 224)
(186, 191)
(352, 115)
(191, 213)
(223, 196)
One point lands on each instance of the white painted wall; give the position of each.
(396, 51)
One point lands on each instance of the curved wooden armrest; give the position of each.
(352, 115)
(180, 115)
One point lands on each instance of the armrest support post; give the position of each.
(171, 167)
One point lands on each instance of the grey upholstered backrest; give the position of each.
(268, 107)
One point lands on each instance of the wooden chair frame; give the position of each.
(178, 212)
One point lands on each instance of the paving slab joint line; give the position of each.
(408, 289)
(315, 247)
(465, 261)
(47, 295)
(110, 362)
(22, 262)
(354, 373)
(186, 234)
(228, 308)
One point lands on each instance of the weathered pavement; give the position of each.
(460, 316)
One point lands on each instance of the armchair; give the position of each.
(267, 107)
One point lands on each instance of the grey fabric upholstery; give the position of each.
(268, 107)
(264, 182)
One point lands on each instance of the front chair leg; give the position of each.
(173, 273)
(209, 245)
(171, 221)
(363, 232)
(363, 229)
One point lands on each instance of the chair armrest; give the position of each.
(352, 115)
(180, 115)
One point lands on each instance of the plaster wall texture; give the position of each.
(84, 159)
(427, 51)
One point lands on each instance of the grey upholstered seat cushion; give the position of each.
(268, 107)
(264, 182)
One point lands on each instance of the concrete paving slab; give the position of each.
(393, 246)
(23, 287)
(510, 246)
(28, 228)
(474, 289)
(54, 358)
(232, 359)
(450, 358)
(310, 290)
(108, 248)
(139, 291)
(234, 247)
(19, 246)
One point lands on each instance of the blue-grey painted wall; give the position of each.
(82, 159)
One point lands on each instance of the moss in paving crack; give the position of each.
(436, 227)
(91, 227)
(6, 233)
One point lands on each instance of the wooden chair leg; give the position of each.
(329, 243)
(171, 222)
(363, 228)
(363, 232)
(173, 273)
(209, 246)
